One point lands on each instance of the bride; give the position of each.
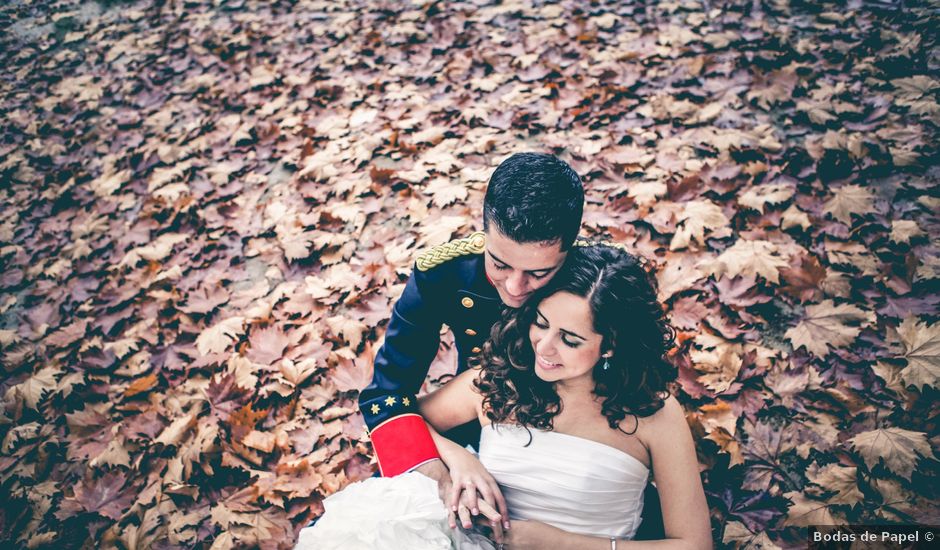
(571, 391)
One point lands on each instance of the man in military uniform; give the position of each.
(531, 216)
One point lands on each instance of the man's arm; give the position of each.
(399, 435)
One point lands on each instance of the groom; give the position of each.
(531, 216)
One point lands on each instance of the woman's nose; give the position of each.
(544, 346)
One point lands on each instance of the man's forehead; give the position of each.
(526, 256)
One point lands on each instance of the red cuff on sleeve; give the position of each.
(401, 443)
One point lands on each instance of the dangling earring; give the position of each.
(606, 364)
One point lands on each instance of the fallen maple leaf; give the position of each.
(141, 385)
(434, 232)
(921, 344)
(646, 193)
(105, 495)
(681, 272)
(68, 334)
(902, 231)
(350, 329)
(793, 217)
(847, 200)
(827, 325)
(745, 257)
(899, 448)
(695, 218)
(687, 312)
(721, 366)
(267, 345)
(444, 192)
(174, 433)
(805, 511)
(220, 336)
(841, 479)
(34, 389)
(891, 376)
(759, 196)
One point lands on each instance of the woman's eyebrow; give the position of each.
(568, 332)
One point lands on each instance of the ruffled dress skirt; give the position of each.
(381, 513)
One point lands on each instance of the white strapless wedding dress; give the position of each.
(575, 484)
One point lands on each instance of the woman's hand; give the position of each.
(532, 535)
(470, 481)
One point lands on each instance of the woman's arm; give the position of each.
(675, 469)
(456, 403)
(434, 409)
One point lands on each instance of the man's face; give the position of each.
(519, 269)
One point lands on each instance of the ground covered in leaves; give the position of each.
(209, 207)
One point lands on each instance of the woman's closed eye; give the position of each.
(564, 338)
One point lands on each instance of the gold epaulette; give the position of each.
(475, 243)
(581, 241)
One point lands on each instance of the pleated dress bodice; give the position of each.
(576, 484)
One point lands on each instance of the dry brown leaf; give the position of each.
(34, 389)
(902, 231)
(847, 200)
(899, 448)
(749, 258)
(350, 329)
(721, 365)
(921, 344)
(760, 196)
(220, 336)
(697, 217)
(841, 479)
(445, 192)
(805, 511)
(827, 325)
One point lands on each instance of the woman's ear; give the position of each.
(608, 348)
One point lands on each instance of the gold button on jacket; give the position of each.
(476, 350)
(467, 302)
(470, 332)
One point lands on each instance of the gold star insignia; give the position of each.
(390, 401)
(375, 408)
(405, 401)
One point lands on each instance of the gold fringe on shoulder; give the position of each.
(475, 243)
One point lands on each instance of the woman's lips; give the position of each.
(545, 364)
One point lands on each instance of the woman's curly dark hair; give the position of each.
(626, 313)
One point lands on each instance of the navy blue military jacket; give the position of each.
(447, 286)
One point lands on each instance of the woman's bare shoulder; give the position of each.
(669, 418)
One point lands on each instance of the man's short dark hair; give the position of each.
(534, 198)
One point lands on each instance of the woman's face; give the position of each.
(563, 339)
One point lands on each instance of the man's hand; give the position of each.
(488, 518)
(436, 470)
